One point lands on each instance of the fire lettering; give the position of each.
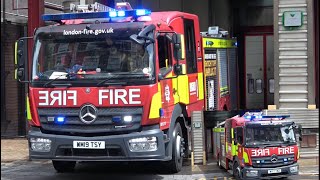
(260, 152)
(44, 97)
(57, 97)
(286, 150)
(135, 93)
(119, 95)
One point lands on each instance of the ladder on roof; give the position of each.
(96, 7)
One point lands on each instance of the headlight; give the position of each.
(40, 144)
(251, 173)
(127, 118)
(143, 144)
(290, 158)
(294, 169)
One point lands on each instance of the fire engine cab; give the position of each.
(257, 146)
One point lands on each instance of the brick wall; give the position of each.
(9, 126)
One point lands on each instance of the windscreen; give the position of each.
(82, 55)
(265, 135)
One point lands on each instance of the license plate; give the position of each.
(271, 171)
(89, 144)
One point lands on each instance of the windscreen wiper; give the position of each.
(288, 143)
(107, 82)
(114, 79)
(64, 84)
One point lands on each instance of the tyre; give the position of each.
(236, 171)
(219, 162)
(175, 164)
(64, 166)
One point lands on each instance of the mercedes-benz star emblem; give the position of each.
(88, 113)
(274, 158)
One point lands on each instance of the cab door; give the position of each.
(191, 51)
(166, 78)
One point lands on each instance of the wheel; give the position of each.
(236, 171)
(219, 162)
(175, 164)
(64, 166)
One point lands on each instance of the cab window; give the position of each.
(190, 46)
(165, 55)
(239, 133)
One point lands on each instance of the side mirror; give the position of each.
(235, 142)
(177, 69)
(300, 132)
(146, 30)
(21, 60)
(143, 37)
(286, 131)
(160, 76)
(135, 39)
(169, 37)
(178, 45)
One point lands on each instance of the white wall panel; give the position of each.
(292, 57)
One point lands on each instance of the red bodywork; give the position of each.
(267, 152)
(165, 22)
(142, 94)
(242, 153)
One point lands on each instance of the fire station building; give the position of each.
(277, 55)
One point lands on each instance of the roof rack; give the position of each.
(96, 7)
(97, 10)
(92, 15)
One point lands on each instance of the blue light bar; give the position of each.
(93, 15)
(121, 13)
(142, 12)
(280, 117)
(112, 14)
(266, 117)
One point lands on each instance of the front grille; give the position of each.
(266, 161)
(109, 151)
(103, 124)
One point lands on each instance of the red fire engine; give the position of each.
(119, 85)
(257, 146)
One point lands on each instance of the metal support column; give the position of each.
(3, 74)
(35, 10)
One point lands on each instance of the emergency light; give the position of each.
(59, 120)
(116, 119)
(92, 15)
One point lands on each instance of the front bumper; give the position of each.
(262, 173)
(116, 147)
